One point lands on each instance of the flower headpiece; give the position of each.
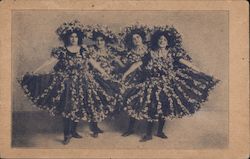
(174, 40)
(73, 26)
(104, 31)
(172, 35)
(127, 33)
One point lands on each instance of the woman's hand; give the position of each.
(97, 66)
(132, 69)
(47, 66)
(105, 74)
(71, 63)
(195, 68)
(189, 64)
(123, 88)
(123, 78)
(85, 47)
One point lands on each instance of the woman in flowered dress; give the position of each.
(102, 68)
(64, 90)
(176, 88)
(135, 60)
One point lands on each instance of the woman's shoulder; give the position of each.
(59, 52)
(59, 49)
(90, 48)
(83, 48)
(179, 53)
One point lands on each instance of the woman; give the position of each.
(102, 65)
(135, 60)
(64, 90)
(175, 88)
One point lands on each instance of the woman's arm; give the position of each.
(132, 69)
(189, 64)
(119, 62)
(85, 47)
(46, 64)
(97, 66)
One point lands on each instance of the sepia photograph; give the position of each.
(117, 78)
(120, 79)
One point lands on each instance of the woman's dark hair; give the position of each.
(128, 38)
(106, 39)
(66, 37)
(172, 41)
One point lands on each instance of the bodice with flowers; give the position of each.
(70, 63)
(104, 57)
(135, 55)
(161, 65)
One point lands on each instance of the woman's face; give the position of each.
(73, 39)
(137, 40)
(100, 42)
(162, 42)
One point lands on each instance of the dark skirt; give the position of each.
(104, 96)
(73, 96)
(134, 96)
(173, 96)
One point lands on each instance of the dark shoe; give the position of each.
(99, 130)
(146, 138)
(95, 128)
(76, 135)
(66, 140)
(161, 135)
(94, 135)
(127, 133)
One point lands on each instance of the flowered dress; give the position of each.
(172, 89)
(64, 91)
(105, 94)
(135, 82)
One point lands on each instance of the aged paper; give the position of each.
(215, 35)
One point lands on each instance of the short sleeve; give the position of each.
(180, 54)
(58, 53)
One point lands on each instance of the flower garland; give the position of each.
(174, 40)
(105, 31)
(72, 26)
(128, 31)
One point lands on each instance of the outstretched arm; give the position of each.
(97, 66)
(44, 65)
(189, 64)
(132, 69)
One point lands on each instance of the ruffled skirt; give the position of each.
(172, 96)
(74, 96)
(104, 95)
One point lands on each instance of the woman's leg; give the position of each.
(95, 129)
(73, 130)
(148, 135)
(67, 130)
(130, 127)
(160, 132)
